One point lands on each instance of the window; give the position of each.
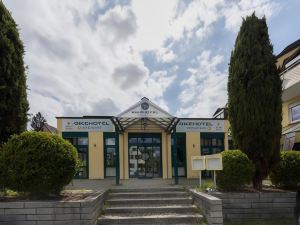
(110, 154)
(295, 112)
(212, 143)
(80, 141)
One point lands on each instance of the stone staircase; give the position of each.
(149, 206)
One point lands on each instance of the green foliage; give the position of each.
(38, 162)
(237, 171)
(254, 97)
(287, 171)
(37, 122)
(13, 101)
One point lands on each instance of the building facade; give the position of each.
(144, 141)
(288, 61)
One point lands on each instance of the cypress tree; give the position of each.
(254, 97)
(13, 98)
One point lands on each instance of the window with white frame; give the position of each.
(294, 112)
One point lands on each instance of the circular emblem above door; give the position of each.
(145, 106)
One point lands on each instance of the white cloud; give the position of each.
(85, 59)
(205, 88)
(235, 11)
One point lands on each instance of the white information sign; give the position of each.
(198, 163)
(214, 162)
(85, 125)
(200, 126)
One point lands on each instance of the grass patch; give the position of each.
(208, 183)
(279, 221)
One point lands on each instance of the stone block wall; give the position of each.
(211, 207)
(81, 212)
(247, 206)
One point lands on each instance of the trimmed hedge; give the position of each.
(287, 172)
(38, 162)
(237, 171)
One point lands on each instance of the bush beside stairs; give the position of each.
(168, 205)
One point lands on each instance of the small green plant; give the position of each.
(287, 172)
(237, 171)
(205, 185)
(38, 163)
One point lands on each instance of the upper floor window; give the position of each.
(295, 112)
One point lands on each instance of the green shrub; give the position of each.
(287, 171)
(237, 171)
(39, 163)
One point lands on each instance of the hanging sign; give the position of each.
(200, 126)
(85, 125)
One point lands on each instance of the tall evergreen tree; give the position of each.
(13, 98)
(254, 97)
(37, 122)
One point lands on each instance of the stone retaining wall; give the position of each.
(81, 212)
(246, 206)
(211, 207)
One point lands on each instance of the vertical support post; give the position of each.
(117, 156)
(215, 180)
(200, 178)
(175, 156)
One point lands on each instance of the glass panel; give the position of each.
(83, 158)
(82, 149)
(132, 140)
(144, 140)
(156, 161)
(214, 142)
(83, 141)
(295, 111)
(110, 157)
(133, 161)
(71, 140)
(110, 141)
(156, 140)
(141, 161)
(205, 151)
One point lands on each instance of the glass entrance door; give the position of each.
(144, 155)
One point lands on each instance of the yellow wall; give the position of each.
(169, 156)
(285, 111)
(192, 149)
(125, 169)
(96, 155)
(59, 127)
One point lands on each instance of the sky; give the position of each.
(96, 57)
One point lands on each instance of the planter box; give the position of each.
(80, 212)
(210, 206)
(247, 206)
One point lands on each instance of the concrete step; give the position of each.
(152, 219)
(148, 201)
(185, 209)
(131, 195)
(162, 189)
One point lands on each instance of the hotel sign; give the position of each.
(145, 110)
(85, 125)
(200, 126)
